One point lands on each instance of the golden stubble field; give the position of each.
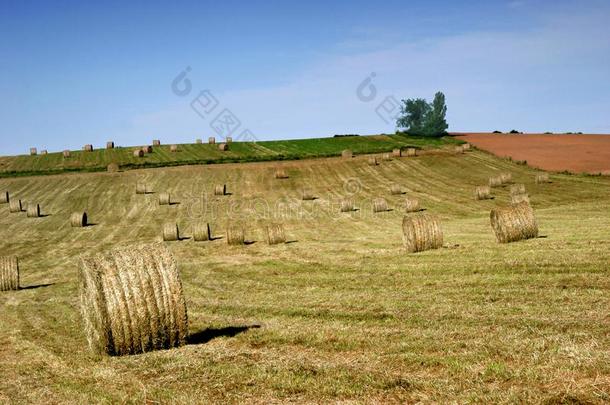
(341, 313)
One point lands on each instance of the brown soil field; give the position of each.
(575, 153)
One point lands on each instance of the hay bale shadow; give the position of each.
(174, 203)
(290, 241)
(35, 286)
(205, 335)
(249, 242)
(213, 238)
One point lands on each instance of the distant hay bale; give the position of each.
(66, 153)
(138, 153)
(506, 178)
(482, 193)
(347, 205)
(411, 152)
(33, 151)
(201, 232)
(33, 210)
(397, 152)
(9, 273)
(542, 178)
(112, 168)
(395, 189)
(372, 161)
(44, 152)
(171, 232)
(235, 235)
(459, 149)
(14, 206)
(411, 204)
(421, 232)
(88, 148)
(141, 188)
(281, 173)
(514, 223)
(386, 156)
(495, 181)
(229, 139)
(164, 199)
(198, 141)
(517, 189)
(211, 140)
(275, 234)
(4, 197)
(220, 189)
(78, 220)
(466, 146)
(519, 198)
(156, 142)
(173, 148)
(223, 147)
(380, 205)
(307, 195)
(147, 149)
(347, 154)
(131, 301)
(110, 145)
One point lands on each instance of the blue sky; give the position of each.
(75, 73)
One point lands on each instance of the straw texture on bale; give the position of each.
(459, 149)
(220, 189)
(347, 205)
(542, 178)
(229, 139)
(372, 161)
(275, 234)
(281, 174)
(201, 232)
(138, 153)
(380, 205)
(482, 192)
(14, 206)
(88, 148)
(506, 178)
(466, 146)
(43, 152)
(173, 148)
(78, 219)
(517, 189)
(112, 168)
(131, 301)
(9, 273)
(171, 232)
(411, 152)
(141, 188)
(33, 151)
(109, 145)
(223, 147)
(411, 204)
(397, 152)
(147, 149)
(514, 223)
(33, 210)
(307, 195)
(495, 181)
(66, 153)
(164, 199)
(386, 156)
(421, 232)
(211, 140)
(156, 142)
(395, 189)
(519, 198)
(347, 154)
(198, 140)
(4, 197)
(235, 235)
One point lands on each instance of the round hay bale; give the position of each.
(223, 147)
(307, 195)
(372, 161)
(506, 178)
(141, 188)
(229, 139)
(201, 232)
(110, 145)
(156, 142)
(411, 152)
(147, 149)
(542, 178)
(44, 152)
(395, 189)
(519, 198)
(33, 211)
(220, 189)
(517, 189)
(514, 223)
(4, 197)
(164, 199)
(466, 146)
(380, 205)
(458, 149)
(171, 232)
(131, 301)
(112, 168)
(33, 151)
(281, 174)
(211, 140)
(275, 234)
(347, 205)
(14, 206)
(88, 148)
(198, 141)
(386, 156)
(66, 153)
(235, 235)
(78, 219)
(347, 154)
(421, 232)
(9, 273)
(411, 204)
(397, 152)
(495, 181)
(173, 148)
(482, 193)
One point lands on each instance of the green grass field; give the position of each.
(192, 154)
(340, 314)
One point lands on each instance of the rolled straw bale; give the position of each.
(421, 232)
(78, 219)
(33, 210)
(147, 149)
(372, 161)
(411, 204)
(131, 301)
(88, 148)
(517, 189)
(223, 147)
(110, 145)
(138, 153)
(156, 142)
(235, 235)
(141, 188)
(220, 189)
(347, 205)
(4, 197)
(9, 273)
(514, 223)
(33, 151)
(170, 232)
(14, 206)
(201, 232)
(506, 178)
(542, 178)
(307, 195)
(411, 152)
(44, 152)
(198, 141)
(66, 153)
(482, 193)
(458, 149)
(164, 199)
(466, 146)
(495, 181)
(112, 168)
(380, 205)
(519, 198)
(397, 152)
(386, 156)
(229, 139)
(281, 174)
(211, 140)
(347, 154)
(395, 189)
(275, 234)
(173, 148)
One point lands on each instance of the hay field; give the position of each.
(341, 313)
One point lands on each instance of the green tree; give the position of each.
(414, 115)
(436, 122)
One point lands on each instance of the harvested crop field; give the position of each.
(574, 153)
